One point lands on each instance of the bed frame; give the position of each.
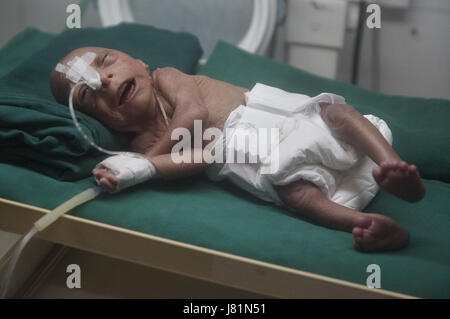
(256, 278)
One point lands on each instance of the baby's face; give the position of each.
(125, 98)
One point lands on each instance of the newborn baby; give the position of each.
(152, 105)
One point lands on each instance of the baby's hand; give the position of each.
(122, 171)
(106, 177)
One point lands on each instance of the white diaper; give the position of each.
(306, 150)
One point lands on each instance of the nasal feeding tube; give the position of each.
(79, 71)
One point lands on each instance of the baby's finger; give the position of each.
(105, 182)
(113, 180)
(100, 174)
(98, 171)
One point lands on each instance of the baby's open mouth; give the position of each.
(126, 91)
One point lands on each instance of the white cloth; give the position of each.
(306, 150)
(129, 170)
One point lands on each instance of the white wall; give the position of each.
(47, 15)
(412, 56)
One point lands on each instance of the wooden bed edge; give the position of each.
(273, 281)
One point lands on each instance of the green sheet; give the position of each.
(37, 131)
(187, 210)
(21, 47)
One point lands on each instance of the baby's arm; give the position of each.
(165, 167)
(168, 169)
(181, 91)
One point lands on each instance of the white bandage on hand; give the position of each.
(129, 170)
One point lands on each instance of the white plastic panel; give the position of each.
(316, 22)
(317, 60)
(393, 3)
(256, 39)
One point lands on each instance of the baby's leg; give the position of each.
(392, 174)
(371, 232)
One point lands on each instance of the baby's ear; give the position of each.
(145, 65)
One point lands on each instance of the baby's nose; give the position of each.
(106, 79)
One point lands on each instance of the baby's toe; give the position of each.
(403, 166)
(378, 174)
(357, 232)
(413, 169)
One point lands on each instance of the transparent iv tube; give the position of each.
(101, 149)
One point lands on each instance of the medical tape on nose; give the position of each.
(79, 69)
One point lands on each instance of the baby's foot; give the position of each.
(373, 232)
(400, 179)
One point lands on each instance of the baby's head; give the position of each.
(125, 98)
